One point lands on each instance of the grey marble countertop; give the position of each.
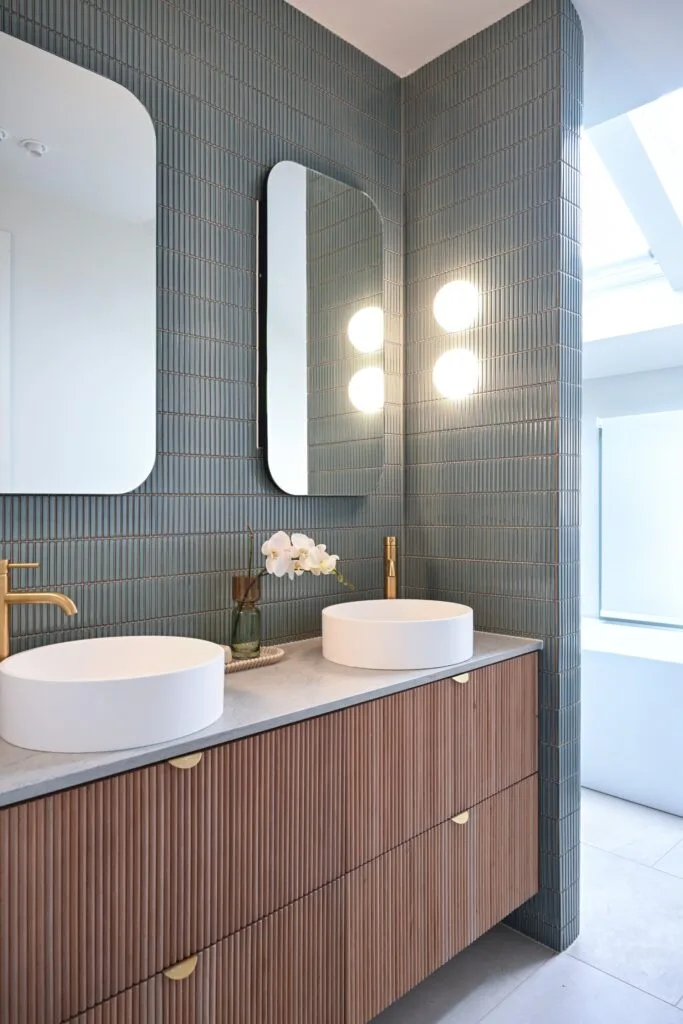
(300, 686)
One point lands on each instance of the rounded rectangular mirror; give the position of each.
(323, 339)
(77, 279)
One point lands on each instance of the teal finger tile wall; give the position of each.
(492, 481)
(473, 164)
(233, 86)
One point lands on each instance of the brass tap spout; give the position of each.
(60, 600)
(8, 598)
(390, 568)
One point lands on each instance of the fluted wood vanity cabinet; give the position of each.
(417, 757)
(314, 870)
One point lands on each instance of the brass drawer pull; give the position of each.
(464, 678)
(461, 819)
(181, 970)
(187, 761)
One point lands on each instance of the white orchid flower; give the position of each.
(278, 552)
(304, 553)
(297, 555)
(325, 564)
(328, 564)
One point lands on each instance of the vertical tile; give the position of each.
(232, 88)
(492, 481)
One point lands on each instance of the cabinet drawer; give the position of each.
(286, 969)
(104, 885)
(412, 757)
(414, 908)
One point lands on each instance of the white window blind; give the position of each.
(641, 518)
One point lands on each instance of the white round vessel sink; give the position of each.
(400, 634)
(110, 694)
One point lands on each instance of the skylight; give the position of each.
(610, 232)
(626, 290)
(631, 309)
(658, 126)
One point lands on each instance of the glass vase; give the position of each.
(245, 619)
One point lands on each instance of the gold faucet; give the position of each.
(9, 597)
(390, 568)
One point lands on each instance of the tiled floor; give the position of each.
(626, 966)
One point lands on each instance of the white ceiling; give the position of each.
(633, 47)
(101, 140)
(405, 34)
(632, 54)
(634, 353)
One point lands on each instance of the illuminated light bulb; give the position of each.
(366, 329)
(456, 306)
(456, 373)
(366, 389)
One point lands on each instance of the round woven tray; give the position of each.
(268, 656)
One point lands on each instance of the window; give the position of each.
(641, 518)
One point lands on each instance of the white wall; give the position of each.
(628, 394)
(83, 348)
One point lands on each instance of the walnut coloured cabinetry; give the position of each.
(415, 907)
(288, 967)
(314, 870)
(415, 758)
(104, 885)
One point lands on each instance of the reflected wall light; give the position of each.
(456, 373)
(366, 389)
(456, 305)
(366, 329)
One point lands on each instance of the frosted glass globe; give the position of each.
(456, 373)
(366, 389)
(366, 329)
(456, 306)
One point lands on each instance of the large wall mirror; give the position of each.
(323, 392)
(77, 279)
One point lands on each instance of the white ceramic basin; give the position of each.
(109, 694)
(398, 634)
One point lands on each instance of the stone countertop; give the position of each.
(300, 686)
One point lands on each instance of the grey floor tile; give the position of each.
(672, 862)
(473, 983)
(631, 923)
(566, 991)
(617, 826)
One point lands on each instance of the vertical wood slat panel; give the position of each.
(104, 885)
(497, 715)
(504, 855)
(407, 913)
(417, 757)
(284, 969)
(414, 908)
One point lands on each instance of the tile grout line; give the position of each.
(679, 843)
(533, 974)
(623, 981)
(651, 867)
